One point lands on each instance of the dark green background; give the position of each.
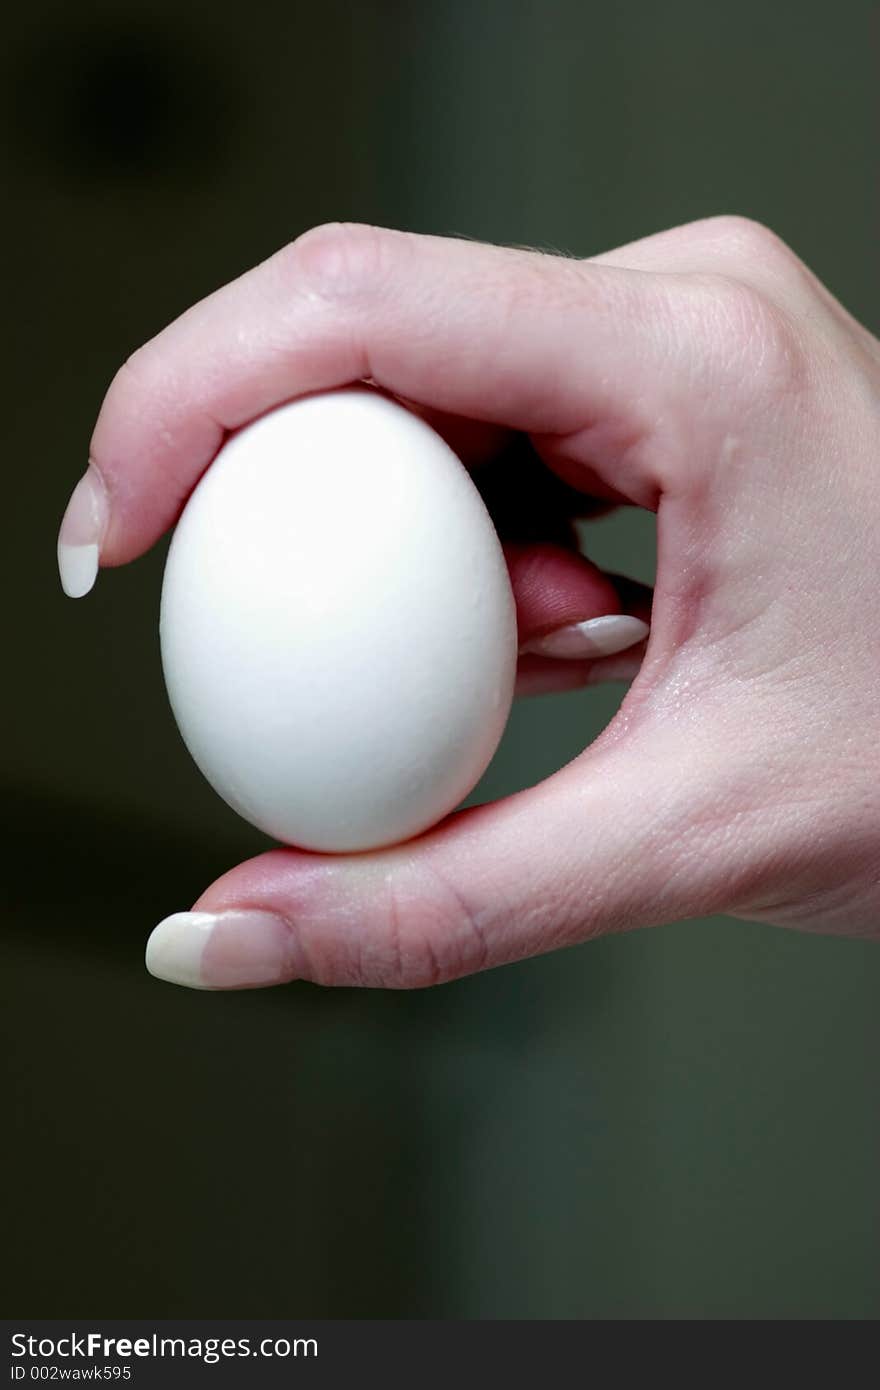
(682, 1123)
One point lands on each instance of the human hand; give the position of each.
(703, 373)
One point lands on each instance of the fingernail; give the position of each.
(82, 531)
(220, 950)
(594, 638)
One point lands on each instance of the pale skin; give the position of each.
(704, 373)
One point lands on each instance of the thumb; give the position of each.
(618, 839)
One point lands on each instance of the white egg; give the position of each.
(338, 629)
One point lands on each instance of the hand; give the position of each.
(703, 373)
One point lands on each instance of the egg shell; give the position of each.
(338, 630)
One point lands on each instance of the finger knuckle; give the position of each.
(137, 373)
(139, 384)
(747, 240)
(749, 340)
(431, 933)
(341, 260)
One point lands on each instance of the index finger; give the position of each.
(527, 340)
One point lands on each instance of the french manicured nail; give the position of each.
(597, 637)
(220, 950)
(82, 531)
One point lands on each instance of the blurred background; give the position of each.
(678, 1124)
